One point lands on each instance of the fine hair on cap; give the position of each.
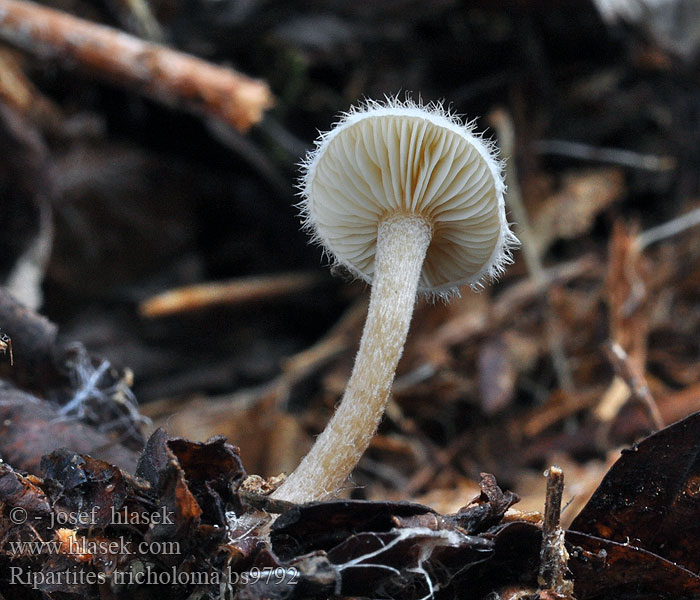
(420, 160)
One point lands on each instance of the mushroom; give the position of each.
(409, 199)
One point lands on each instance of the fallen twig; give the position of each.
(669, 229)
(629, 305)
(142, 20)
(172, 77)
(553, 554)
(506, 136)
(616, 156)
(237, 291)
(634, 378)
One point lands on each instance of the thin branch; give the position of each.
(615, 156)
(166, 75)
(553, 554)
(555, 492)
(145, 23)
(634, 378)
(233, 292)
(506, 136)
(669, 229)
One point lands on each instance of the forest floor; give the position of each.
(131, 169)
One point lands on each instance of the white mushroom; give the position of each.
(409, 199)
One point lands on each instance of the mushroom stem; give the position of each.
(402, 243)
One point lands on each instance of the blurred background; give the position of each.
(109, 197)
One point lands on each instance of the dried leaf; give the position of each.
(650, 498)
(570, 212)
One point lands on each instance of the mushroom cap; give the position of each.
(380, 160)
